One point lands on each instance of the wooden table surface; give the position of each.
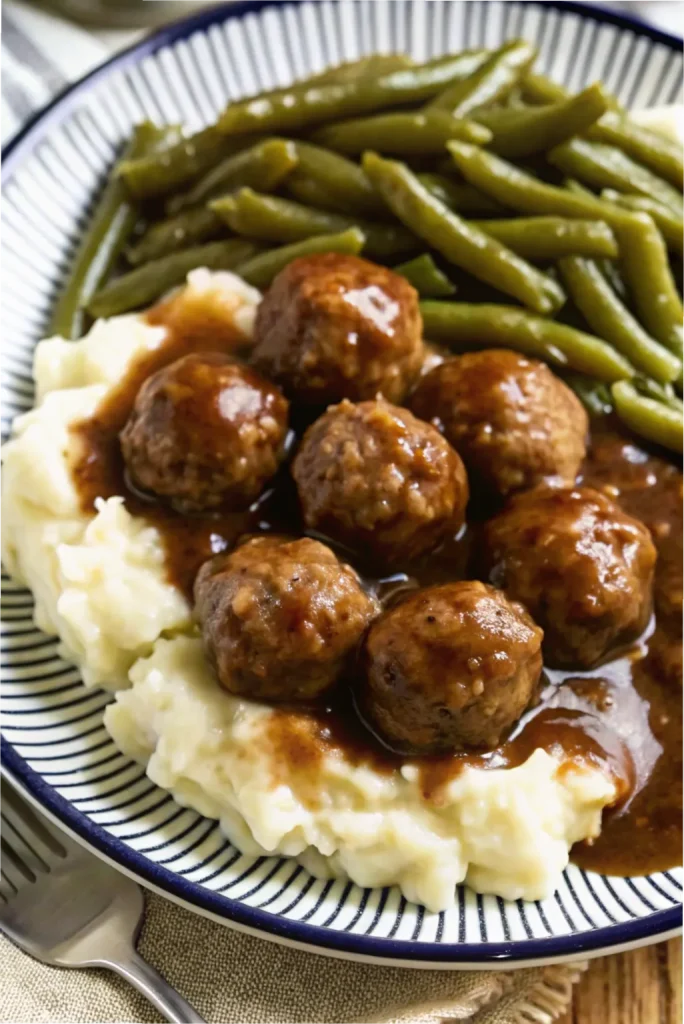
(643, 987)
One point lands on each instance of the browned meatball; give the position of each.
(335, 326)
(280, 617)
(374, 477)
(512, 421)
(450, 668)
(582, 567)
(205, 433)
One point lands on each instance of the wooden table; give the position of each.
(643, 987)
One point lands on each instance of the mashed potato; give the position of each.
(100, 585)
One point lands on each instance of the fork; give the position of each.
(64, 906)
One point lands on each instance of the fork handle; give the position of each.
(154, 987)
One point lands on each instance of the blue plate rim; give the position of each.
(191, 893)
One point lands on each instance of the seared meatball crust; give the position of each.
(280, 617)
(450, 668)
(205, 433)
(512, 421)
(375, 478)
(335, 326)
(580, 565)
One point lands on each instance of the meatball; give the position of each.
(375, 478)
(512, 421)
(334, 326)
(581, 565)
(450, 668)
(205, 433)
(280, 617)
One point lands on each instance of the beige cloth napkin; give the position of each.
(232, 978)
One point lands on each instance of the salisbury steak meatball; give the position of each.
(450, 668)
(205, 433)
(279, 618)
(335, 326)
(512, 421)
(582, 567)
(374, 477)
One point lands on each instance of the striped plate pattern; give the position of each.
(54, 741)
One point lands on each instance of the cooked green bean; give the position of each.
(271, 219)
(192, 227)
(660, 392)
(670, 224)
(103, 242)
(647, 147)
(262, 166)
(594, 395)
(529, 130)
(260, 270)
(426, 277)
(548, 238)
(611, 272)
(146, 283)
(414, 134)
(159, 173)
(462, 326)
(540, 89)
(647, 417)
(298, 108)
(365, 67)
(461, 243)
(490, 83)
(342, 182)
(615, 128)
(646, 270)
(520, 191)
(612, 321)
(604, 166)
(460, 196)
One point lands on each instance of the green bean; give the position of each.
(306, 190)
(143, 285)
(646, 270)
(670, 224)
(261, 166)
(426, 277)
(488, 84)
(573, 185)
(156, 174)
(604, 166)
(611, 272)
(365, 67)
(340, 182)
(271, 219)
(529, 130)
(519, 191)
(660, 392)
(103, 241)
(460, 196)
(414, 134)
(298, 108)
(548, 238)
(540, 89)
(461, 243)
(462, 326)
(647, 147)
(647, 417)
(593, 394)
(615, 128)
(260, 270)
(192, 227)
(612, 321)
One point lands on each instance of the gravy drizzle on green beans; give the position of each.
(554, 217)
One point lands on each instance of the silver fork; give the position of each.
(66, 907)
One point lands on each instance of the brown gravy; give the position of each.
(625, 715)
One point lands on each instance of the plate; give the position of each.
(54, 745)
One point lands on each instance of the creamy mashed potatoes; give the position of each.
(100, 585)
